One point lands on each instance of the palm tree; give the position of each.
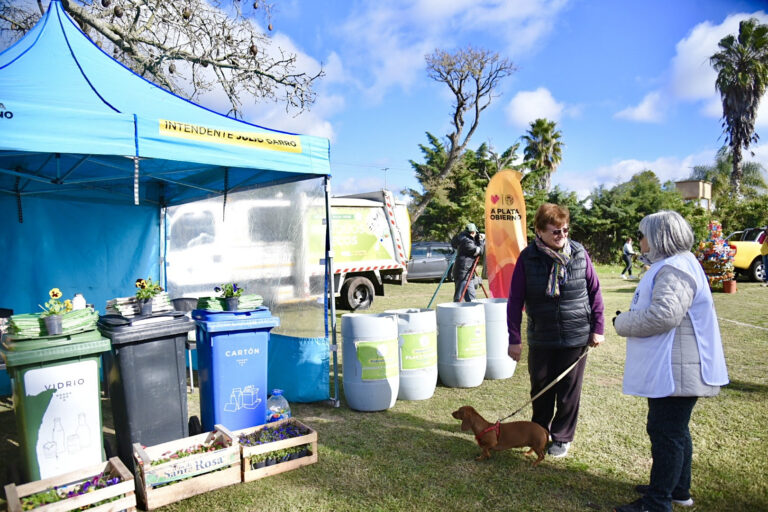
(742, 75)
(752, 180)
(543, 151)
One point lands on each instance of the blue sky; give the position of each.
(628, 82)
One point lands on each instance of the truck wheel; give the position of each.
(756, 270)
(357, 294)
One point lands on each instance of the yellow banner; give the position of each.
(505, 229)
(270, 141)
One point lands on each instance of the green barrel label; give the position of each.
(470, 341)
(419, 350)
(378, 359)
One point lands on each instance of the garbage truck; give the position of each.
(371, 242)
(276, 246)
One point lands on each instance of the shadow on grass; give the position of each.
(747, 387)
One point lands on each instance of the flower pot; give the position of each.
(53, 324)
(145, 305)
(729, 286)
(270, 462)
(230, 303)
(260, 464)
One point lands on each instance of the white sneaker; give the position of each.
(623, 277)
(558, 449)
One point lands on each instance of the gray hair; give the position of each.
(667, 233)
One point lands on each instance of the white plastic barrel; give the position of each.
(417, 339)
(461, 344)
(370, 353)
(498, 363)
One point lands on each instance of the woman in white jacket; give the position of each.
(674, 355)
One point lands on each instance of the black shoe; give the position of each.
(677, 499)
(635, 506)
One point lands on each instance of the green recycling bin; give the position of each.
(56, 397)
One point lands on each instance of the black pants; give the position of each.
(671, 449)
(628, 264)
(557, 410)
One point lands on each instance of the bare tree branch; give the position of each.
(189, 46)
(472, 75)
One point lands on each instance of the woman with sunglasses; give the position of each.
(674, 355)
(555, 281)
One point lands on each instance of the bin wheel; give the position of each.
(195, 427)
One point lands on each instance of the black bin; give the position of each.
(147, 379)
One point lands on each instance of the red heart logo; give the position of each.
(494, 199)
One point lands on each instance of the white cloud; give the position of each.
(527, 106)
(387, 41)
(665, 168)
(650, 110)
(691, 78)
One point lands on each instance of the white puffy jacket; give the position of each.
(673, 292)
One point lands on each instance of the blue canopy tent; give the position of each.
(90, 156)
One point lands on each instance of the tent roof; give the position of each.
(72, 119)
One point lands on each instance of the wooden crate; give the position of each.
(124, 490)
(188, 476)
(249, 451)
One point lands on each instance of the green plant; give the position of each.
(229, 290)
(56, 306)
(147, 288)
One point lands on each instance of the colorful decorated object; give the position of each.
(716, 256)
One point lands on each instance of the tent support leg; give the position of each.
(334, 401)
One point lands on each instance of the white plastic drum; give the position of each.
(370, 353)
(417, 338)
(498, 363)
(461, 344)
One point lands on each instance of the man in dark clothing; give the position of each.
(469, 245)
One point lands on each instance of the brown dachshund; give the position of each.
(501, 436)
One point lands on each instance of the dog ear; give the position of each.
(466, 418)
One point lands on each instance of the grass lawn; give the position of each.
(414, 456)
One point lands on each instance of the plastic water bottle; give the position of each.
(78, 302)
(277, 406)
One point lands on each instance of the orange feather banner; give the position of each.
(505, 231)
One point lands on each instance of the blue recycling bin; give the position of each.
(232, 366)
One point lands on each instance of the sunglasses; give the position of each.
(558, 232)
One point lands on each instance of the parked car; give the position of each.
(747, 260)
(429, 261)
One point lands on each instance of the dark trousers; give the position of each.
(460, 283)
(557, 410)
(671, 449)
(628, 264)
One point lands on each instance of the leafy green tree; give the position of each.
(543, 153)
(460, 198)
(739, 213)
(614, 214)
(742, 76)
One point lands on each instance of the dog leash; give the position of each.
(558, 379)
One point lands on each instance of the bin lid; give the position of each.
(51, 349)
(144, 328)
(218, 321)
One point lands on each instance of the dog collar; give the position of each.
(492, 427)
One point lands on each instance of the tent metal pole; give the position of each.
(331, 292)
